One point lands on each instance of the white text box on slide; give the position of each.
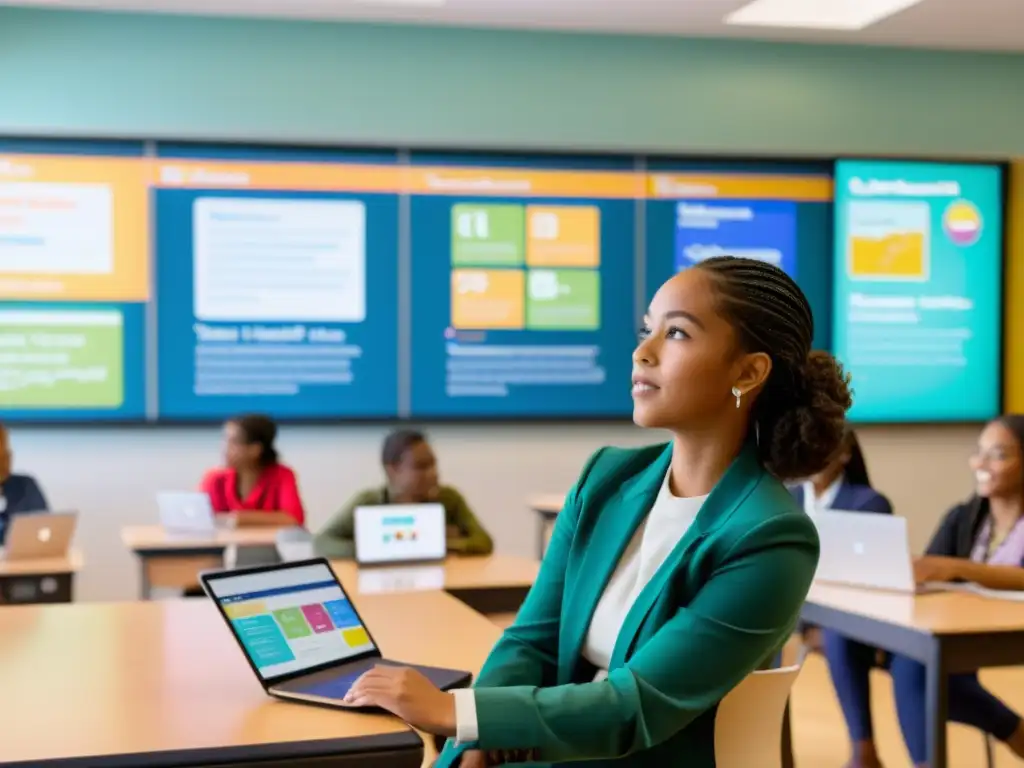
(280, 260)
(65, 229)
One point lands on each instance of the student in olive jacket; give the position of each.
(411, 470)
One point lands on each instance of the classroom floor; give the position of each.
(819, 734)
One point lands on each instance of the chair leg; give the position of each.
(787, 740)
(989, 752)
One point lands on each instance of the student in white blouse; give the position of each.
(674, 570)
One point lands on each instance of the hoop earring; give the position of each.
(738, 395)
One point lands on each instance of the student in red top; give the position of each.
(253, 480)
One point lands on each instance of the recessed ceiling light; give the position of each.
(817, 14)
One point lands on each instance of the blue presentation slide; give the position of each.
(277, 279)
(523, 287)
(777, 213)
(918, 263)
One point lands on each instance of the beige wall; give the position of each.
(111, 475)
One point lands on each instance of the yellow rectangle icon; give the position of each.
(895, 255)
(484, 299)
(246, 609)
(355, 637)
(563, 236)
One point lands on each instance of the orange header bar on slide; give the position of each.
(528, 182)
(300, 177)
(63, 169)
(740, 186)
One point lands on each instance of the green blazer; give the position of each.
(722, 606)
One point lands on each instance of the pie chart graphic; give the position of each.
(962, 223)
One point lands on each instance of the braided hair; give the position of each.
(800, 413)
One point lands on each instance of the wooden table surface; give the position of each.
(131, 678)
(939, 613)
(456, 573)
(72, 563)
(155, 537)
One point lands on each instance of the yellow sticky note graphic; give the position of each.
(242, 610)
(485, 299)
(563, 236)
(888, 240)
(355, 637)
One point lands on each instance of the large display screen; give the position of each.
(523, 299)
(277, 282)
(918, 271)
(780, 214)
(184, 282)
(74, 281)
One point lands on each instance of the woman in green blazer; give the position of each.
(674, 571)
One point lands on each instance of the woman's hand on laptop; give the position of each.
(409, 695)
(933, 568)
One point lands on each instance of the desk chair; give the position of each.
(748, 724)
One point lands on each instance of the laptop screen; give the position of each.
(400, 533)
(291, 619)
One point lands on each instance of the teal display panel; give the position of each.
(918, 288)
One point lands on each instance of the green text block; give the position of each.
(563, 299)
(488, 235)
(56, 359)
(293, 623)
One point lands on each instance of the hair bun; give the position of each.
(806, 435)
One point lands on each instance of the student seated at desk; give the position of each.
(19, 494)
(253, 479)
(411, 470)
(843, 485)
(981, 541)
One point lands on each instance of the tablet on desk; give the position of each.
(400, 533)
(300, 632)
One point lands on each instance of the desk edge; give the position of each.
(401, 741)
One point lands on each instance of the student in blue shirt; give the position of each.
(19, 494)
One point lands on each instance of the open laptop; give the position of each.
(400, 533)
(185, 512)
(40, 535)
(866, 549)
(300, 632)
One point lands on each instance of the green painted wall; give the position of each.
(136, 75)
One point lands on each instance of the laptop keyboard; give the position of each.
(333, 688)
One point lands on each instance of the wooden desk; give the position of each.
(163, 683)
(948, 632)
(172, 560)
(51, 580)
(490, 584)
(546, 507)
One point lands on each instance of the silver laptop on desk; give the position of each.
(40, 536)
(864, 549)
(185, 512)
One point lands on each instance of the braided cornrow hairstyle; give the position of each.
(800, 413)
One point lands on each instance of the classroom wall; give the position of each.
(67, 73)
